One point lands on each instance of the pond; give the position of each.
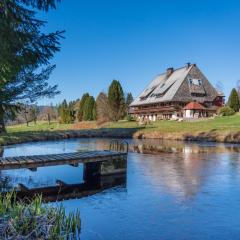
(173, 190)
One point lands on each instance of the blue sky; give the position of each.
(133, 41)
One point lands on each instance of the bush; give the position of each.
(34, 220)
(226, 111)
(130, 118)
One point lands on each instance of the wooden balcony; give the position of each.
(156, 110)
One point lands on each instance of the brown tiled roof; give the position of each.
(194, 106)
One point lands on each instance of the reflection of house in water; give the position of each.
(178, 167)
(155, 146)
(180, 174)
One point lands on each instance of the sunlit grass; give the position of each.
(42, 130)
(39, 126)
(228, 123)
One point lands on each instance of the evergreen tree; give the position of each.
(62, 111)
(81, 105)
(116, 100)
(25, 52)
(65, 112)
(88, 109)
(72, 111)
(233, 100)
(129, 99)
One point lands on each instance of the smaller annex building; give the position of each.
(194, 110)
(178, 93)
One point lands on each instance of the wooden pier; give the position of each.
(101, 170)
(35, 161)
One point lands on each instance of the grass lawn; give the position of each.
(230, 123)
(220, 124)
(40, 126)
(22, 131)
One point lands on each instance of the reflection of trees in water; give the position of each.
(11, 178)
(180, 174)
(156, 146)
(5, 182)
(93, 144)
(8, 182)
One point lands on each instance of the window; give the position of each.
(193, 81)
(198, 94)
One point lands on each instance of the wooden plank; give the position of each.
(32, 162)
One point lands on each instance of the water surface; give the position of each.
(174, 190)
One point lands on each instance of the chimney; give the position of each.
(188, 65)
(170, 71)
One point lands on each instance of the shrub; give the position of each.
(226, 111)
(33, 220)
(130, 118)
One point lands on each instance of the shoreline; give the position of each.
(203, 136)
(208, 136)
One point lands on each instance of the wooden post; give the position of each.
(114, 166)
(91, 170)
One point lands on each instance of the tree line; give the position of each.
(110, 106)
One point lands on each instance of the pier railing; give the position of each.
(119, 146)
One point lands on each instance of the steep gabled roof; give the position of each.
(163, 87)
(186, 84)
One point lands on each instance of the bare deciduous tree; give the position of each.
(238, 87)
(219, 86)
(48, 113)
(103, 108)
(27, 114)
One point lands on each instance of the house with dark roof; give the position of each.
(168, 95)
